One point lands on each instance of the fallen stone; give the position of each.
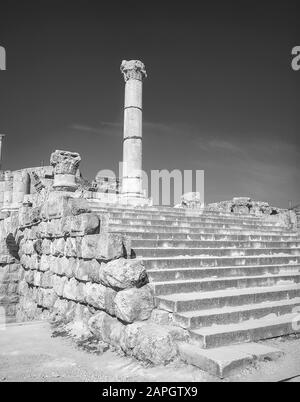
(135, 304)
(150, 343)
(123, 274)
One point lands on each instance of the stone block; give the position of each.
(58, 247)
(45, 262)
(49, 298)
(81, 225)
(106, 246)
(135, 304)
(87, 271)
(46, 280)
(100, 297)
(74, 290)
(46, 246)
(58, 283)
(59, 205)
(150, 343)
(107, 329)
(123, 274)
(70, 247)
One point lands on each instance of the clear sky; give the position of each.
(221, 95)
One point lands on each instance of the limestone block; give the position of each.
(29, 277)
(49, 298)
(58, 247)
(74, 290)
(60, 265)
(58, 283)
(105, 246)
(37, 246)
(123, 274)
(34, 262)
(59, 205)
(37, 278)
(135, 304)
(80, 225)
(70, 247)
(87, 270)
(107, 329)
(25, 261)
(160, 317)
(45, 262)
(23, 288)
(46, 246)
(29, 215)
(150, 343)
(46, 280)
(33, 233)
(100, 297)
(43, 229)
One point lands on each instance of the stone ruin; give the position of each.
(67, 255)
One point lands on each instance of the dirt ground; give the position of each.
(28, 353)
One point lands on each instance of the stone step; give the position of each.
(247, 331)
(175, 244)
(187, 218)
(197, 225)
(186, 230)
(194, 262)
(100, 207)
(183, 302)
(215, 284)
(134, 220)
(211, 237)
(236, 314)
(165, 275)
(225, 360)
(217, 252)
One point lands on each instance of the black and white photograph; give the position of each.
(149, 194)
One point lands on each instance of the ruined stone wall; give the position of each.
(10, 268)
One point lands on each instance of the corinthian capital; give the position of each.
(65, 162)
(133, 70)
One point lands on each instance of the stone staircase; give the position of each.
(228, 278)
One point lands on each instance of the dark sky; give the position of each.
(221, 95)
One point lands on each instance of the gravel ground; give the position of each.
(28, 353)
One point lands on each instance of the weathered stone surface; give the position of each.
(46, 280)
(80, 225)
(65, 162)
(60, 204)
(29, 277)
(105, 246)
(123, 274)
(74, 290)
(160, 317)
(135, 304)
(58, 283)
(100, 297)
(191, 200)
(46, 246)
(58, 247)
(107, 329)
(64, 310)
(49, 298)
(150, 343)
(45, 262)
(29, 216)
(71, 247)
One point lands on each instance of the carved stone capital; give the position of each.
(133, 70)
(65, 162)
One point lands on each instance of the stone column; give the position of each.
(2, 188)
(1, 140)
(65, 166)
(134, 72)
(8, 190)
(21, 186)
